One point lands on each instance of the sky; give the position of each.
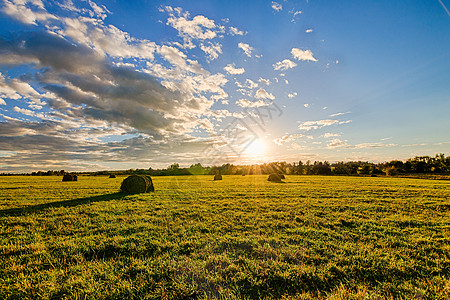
(102, 85)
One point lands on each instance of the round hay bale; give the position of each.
(274, 177)
(282, 176)
(150, 187)
(70, 177)
(217, 177)
(112, 176)
(136, 184)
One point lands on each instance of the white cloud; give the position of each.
(247, 103)
(235, 31)
(265, 81)
(284, 65)
(276, 6)
(310, 125)
(303, 54)
(286, 138)
(212, 50)
(106, 39)
(249, 84)
(306, 105)
(292, 95)
(2, 102)
(335, 143)
(263, 94)
(246, 48)
(200, 27)
(234, 71)
(19, 10)
(339, 114)
(372, 145)
(308, 30)
(295, 13)
(179, 59)
(328, 135)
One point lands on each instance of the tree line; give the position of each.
(439, 164)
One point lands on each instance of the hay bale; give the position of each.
(70, 177)
(274, 177)
(150, 187)
(217, 177)
(112, 176)
(282, 176)
(136, 184)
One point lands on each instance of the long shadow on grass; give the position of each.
(67, 203)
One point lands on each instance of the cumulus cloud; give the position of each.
(302, 54)
(246, 48)
(312, 125)
(248, 103)
(308, 30)
(335, 143)
(292, 95)
(284, 65)
(199, 27)
(234, 71)
(96, 89)
(265, 81)
(21, 11)
(263, 94)
(235, 31)
(276, 6)
(249, 84)
(286, 138)
(212, 50)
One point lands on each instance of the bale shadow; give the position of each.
(67, 203)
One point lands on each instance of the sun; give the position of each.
(256, 150)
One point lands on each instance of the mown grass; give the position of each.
(240, 238)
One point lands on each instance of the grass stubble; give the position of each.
(312, 237)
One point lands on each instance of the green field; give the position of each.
(241, 238)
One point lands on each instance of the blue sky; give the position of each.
(93, 85)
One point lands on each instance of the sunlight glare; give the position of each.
(256, 150)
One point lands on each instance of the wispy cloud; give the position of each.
(312, 125)
(246, 48)
(339, 114)
(235, 31)
(445, 7)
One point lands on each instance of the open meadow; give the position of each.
(240, 238)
